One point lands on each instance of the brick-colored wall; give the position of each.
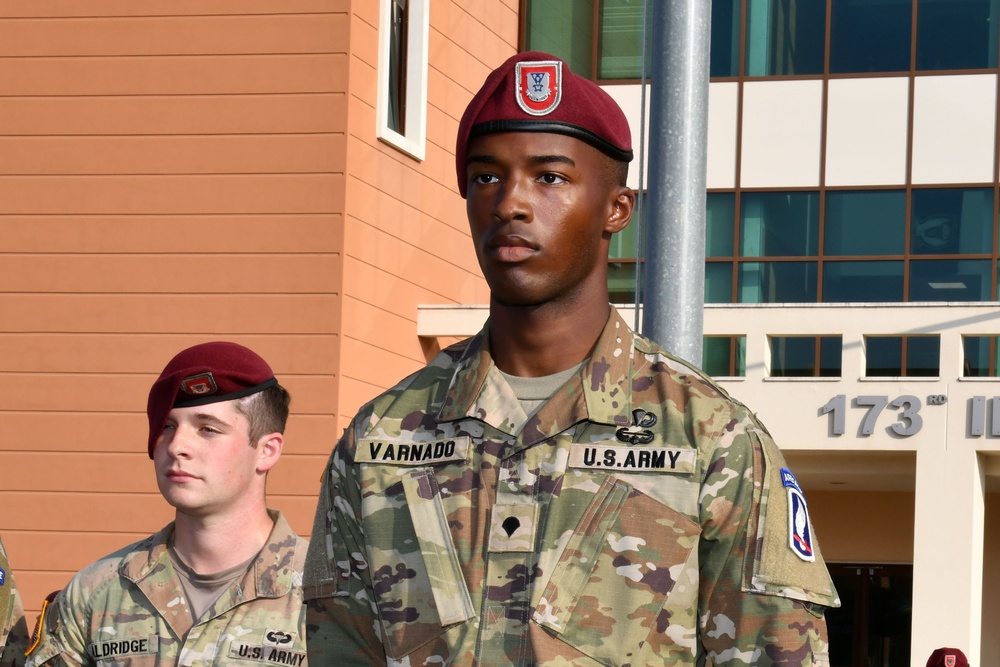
(171, 171)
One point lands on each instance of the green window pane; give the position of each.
(720, 224)
(564, 28)
(795, 356)
(949, 221)
(867, 36)
(621, 282)
(863, 282)
(724, 356)
(620, 48)
(866, 222)
(718, 282)
(777, 282)
(957, 34)
(624, 244)
(980, 356)
(779, 224)
(785, 37)
(725, 50)
(950, 280)
(923, 356)
(883, 356)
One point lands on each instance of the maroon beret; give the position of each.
(947, 657)
(537, 92)
(203, 374)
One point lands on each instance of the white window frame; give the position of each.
(413, 140)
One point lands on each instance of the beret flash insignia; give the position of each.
(202, 384)
(539, 86)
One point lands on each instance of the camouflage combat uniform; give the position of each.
(129, 609)
(13, 628)
(639, 518)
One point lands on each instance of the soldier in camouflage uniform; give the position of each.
(13, 629)
(222, 583)
(558, 490)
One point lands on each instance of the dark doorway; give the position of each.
(872, 626)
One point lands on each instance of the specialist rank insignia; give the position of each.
(800, 537)
(539, 86)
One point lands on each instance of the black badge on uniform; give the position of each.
(638, 433)
(510, 524)
(202, 384)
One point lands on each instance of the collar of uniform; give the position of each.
(607, 391)
(271, 574)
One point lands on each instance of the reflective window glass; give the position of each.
(718, 282)
(621, 282)
(795, 356)
(957, 34)
(779, 224)
(883, 356)
(950, 221)
(923, 356)
(865, 222)
(777, 282)
(724, 356)
(950, 280)
(980, 356)
(862, 282)
(624, 244)
(867, 36)
(785, 37)
(564, 28)
(902, 356)
(720, 223)
(620, 48)
(725, 49)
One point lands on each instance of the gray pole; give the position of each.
(674, 278)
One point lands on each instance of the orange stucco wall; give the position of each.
(174, 171)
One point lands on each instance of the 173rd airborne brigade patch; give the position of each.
(799, 529)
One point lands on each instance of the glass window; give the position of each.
(868, 36)
(902, 356)
(564, 28)
(402, 74)
(720, 223)
(796, 356)
(863, 282)
(950, 280)
(957, 34)
(779, 224)
(725, 40)
(866, 222)
(980, 356)
(620, 48)
(621, 282)
(777, 282)
(718, 282)
(950, 221)
(785, 37)
(724, 356)
(625, 244)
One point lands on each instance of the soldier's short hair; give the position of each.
(266, 412)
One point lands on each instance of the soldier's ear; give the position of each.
(269, 449)
(620, 210)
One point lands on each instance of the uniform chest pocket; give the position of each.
(614, 575)
(419, 586)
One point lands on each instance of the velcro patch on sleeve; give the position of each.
(799, 529)
(390, 452)
(630, 458)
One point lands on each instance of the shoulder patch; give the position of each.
(393, 452)
(799, 529)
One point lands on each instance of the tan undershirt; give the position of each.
(533, 392)
(202, 590)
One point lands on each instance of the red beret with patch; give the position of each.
(537, 92)
(947, 657)
(203, 374)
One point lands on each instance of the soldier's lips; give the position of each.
(511, 253)
(179, 476)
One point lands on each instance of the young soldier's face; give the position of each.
(542, 210)
(204, 463)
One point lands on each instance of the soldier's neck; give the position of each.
(215, 543)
